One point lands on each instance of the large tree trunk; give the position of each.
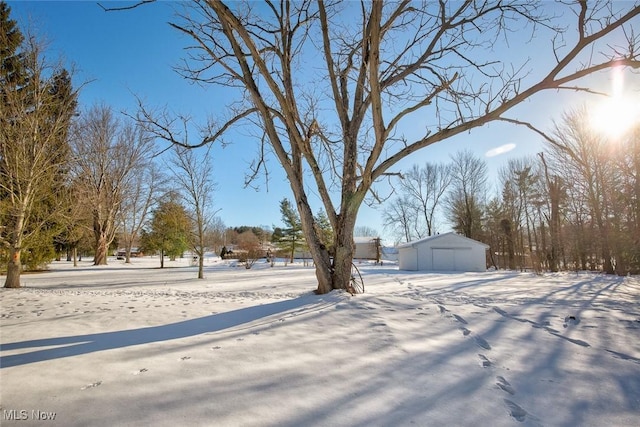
(127, 252)
(102, 248)
(331, 273)
(14, 269)
(343, 258)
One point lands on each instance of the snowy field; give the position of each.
(127, 345)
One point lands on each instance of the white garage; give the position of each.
(443, 252)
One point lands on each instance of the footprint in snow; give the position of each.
(504, 385)
(185, 358)
(484, 361)
(442, 309)
(460, 319)
(482, 342)
(96, 384)
(465, 331)
(570, 320)
(515, 410)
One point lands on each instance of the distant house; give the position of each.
(366, 247)
(443, 252)
(135, 253)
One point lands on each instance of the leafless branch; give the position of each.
(133, 6)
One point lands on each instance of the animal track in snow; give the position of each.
(460, 319)
(515, 410)
(504, 385)
(571, 320)
(482, 342)
(484, 361)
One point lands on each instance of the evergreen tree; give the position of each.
(169, 231)
(35, 111)
(12, 73)
(292, 237)
(324, 230)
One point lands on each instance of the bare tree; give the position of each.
(335, 121)
(579, 148)
(365, 231)
(249, 249)
(466, 198)
(216, 234)
(73, 231)
(627, 246)
(194, 174)
(555, 187)
(106, 151)
(36, 105)
(400, 218)
(518, 180)
(144, 188)
(426, 186)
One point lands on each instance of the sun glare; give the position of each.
(618, 113)
(615, 116)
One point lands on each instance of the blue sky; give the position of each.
(120, 55)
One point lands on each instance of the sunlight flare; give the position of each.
(617, 114)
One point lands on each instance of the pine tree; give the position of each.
(35, 111)
(12, 72)
(170, 229)
(324, 230)
(292, 237)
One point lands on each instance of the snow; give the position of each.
(131, 344)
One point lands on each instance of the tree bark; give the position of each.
(343, 259)
(102, 249)
(14, 269)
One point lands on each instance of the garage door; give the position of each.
(452, 259)
(444, 259)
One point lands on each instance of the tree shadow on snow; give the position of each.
(82, 344)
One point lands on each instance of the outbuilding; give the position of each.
(366, 247)
(443, 252)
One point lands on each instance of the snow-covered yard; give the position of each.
(136, 345)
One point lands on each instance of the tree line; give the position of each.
(332, 99)
(574, 206)
(79, 178)
(336, 124)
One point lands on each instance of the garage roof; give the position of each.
(438, 236)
